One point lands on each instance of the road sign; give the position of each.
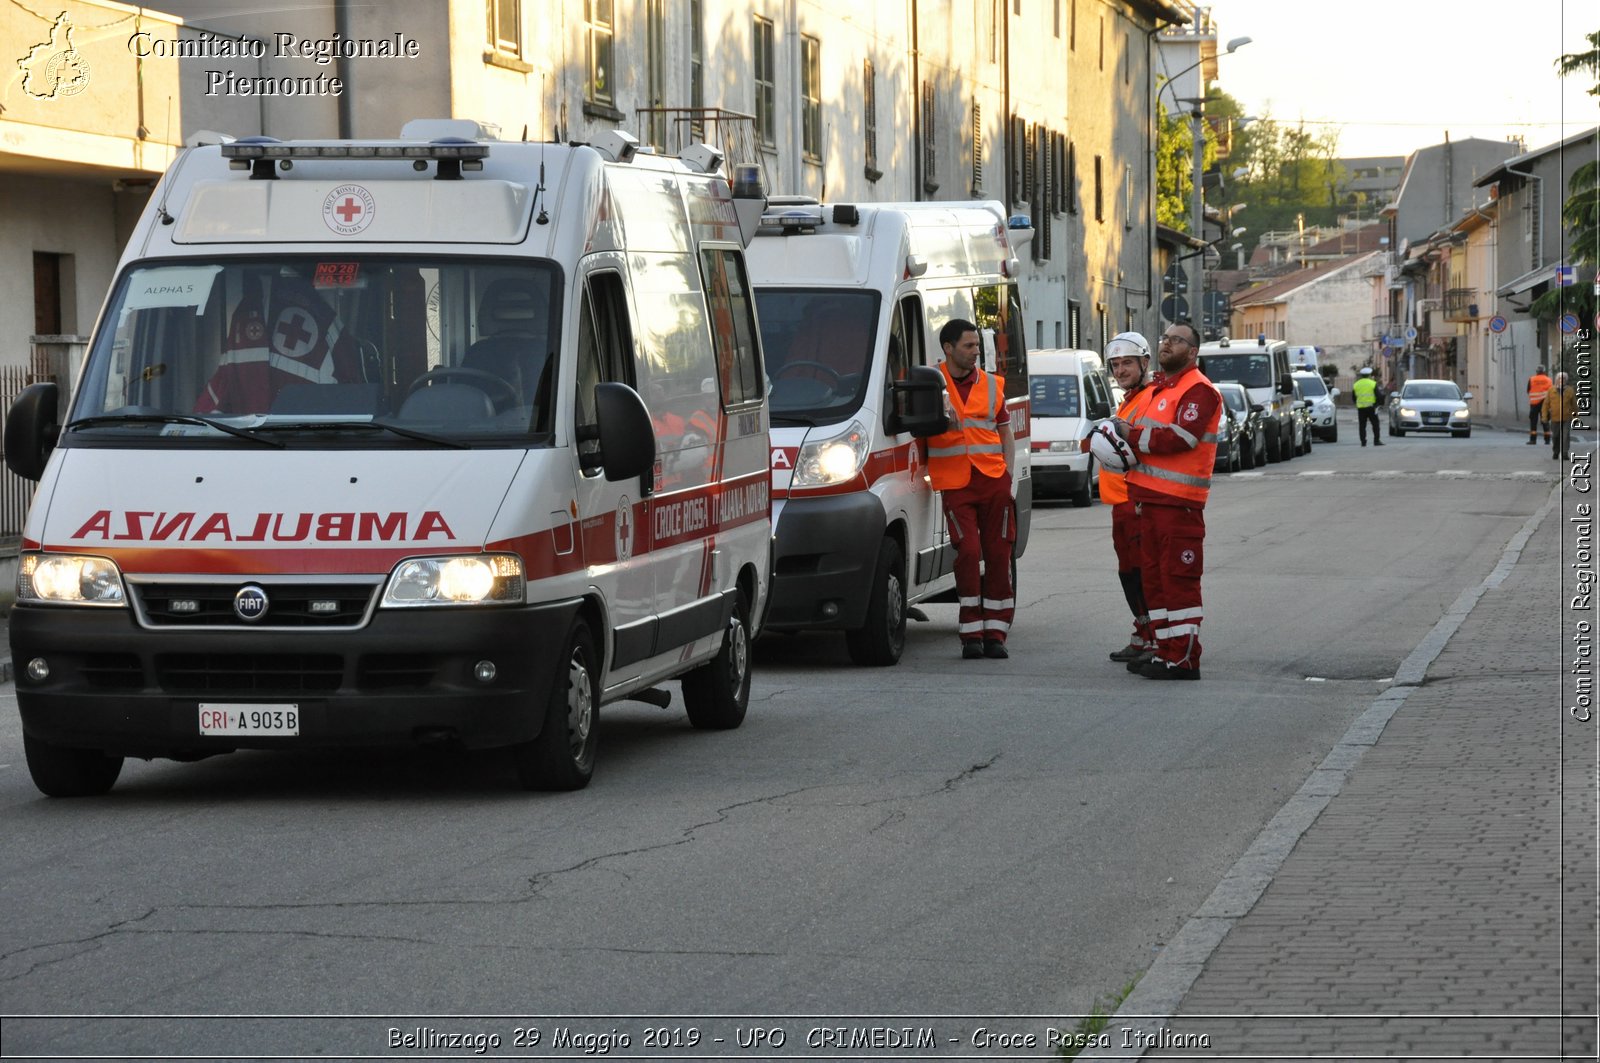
(1411, 332)
(1566, 276)
(1569, 322)
(1497, 324)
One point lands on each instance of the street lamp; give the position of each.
(1196, 199)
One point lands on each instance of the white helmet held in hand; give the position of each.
(1111, 450)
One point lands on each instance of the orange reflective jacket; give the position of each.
(974, 440)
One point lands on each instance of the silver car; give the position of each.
(1324, 421)
(1430, 406)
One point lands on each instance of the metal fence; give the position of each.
(51, 360)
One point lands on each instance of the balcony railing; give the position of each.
(672, 129)
(1461, 304)
(1378, 328)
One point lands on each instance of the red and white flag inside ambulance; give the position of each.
(299, 340)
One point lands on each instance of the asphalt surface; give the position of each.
(1430, 891)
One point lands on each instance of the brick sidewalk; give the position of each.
(1442, 904)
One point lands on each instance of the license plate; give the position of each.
(272, 721)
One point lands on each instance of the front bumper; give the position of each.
(824, 558)
(404, 678)
(1424, 423)
(1059, 473)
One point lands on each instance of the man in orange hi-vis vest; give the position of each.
(1538, 388)
(1176, 438)
(971, 464)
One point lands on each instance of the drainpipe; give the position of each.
(341, 27)
(916, 105)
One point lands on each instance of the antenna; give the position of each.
(539, 193)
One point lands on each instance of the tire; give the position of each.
(1247, 456)
(882, 638)
(1275, 446)
(1401, 432)
(62, 771)
(1463, 435)
(562, 757)
(1333, 434)
(716, 694)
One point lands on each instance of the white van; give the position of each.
(851, 301)
(1262, 366)
(358, 456)
(1068, 392)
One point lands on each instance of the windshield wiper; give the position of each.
(356, 426)
(169, 418)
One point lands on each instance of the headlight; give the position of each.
(1463, 412)
(1406, 411)
(1065, 446)
(832, 461)
(475, 579)
(69, 579)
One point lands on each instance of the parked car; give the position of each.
(1324, 424)
(1230, 447)
(1430, 406)
(1247, 423)
(1069, 391)
(1302, 421)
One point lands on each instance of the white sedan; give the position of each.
(1430, 406)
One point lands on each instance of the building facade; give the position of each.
(1046, 106)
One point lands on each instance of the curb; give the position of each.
(1158, 994)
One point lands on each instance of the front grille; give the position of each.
(251, 673)
(113, 671)
(394, 671)
(1433, 418)
(291, 604)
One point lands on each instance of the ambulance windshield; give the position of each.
(459, 351)
(818, 346)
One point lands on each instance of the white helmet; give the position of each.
(1111, 450)
(1366, 370)
(1127, 345)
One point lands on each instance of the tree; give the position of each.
(1580, 214)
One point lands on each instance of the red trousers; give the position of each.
(1172, 550)
(1125, 539)
(981, 518)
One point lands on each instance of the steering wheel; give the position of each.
(803, 364)
(497, 388)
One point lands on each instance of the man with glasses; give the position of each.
(1175, 436)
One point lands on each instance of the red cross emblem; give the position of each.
(296, 333)
(348, 210)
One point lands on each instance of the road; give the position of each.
(942, 837)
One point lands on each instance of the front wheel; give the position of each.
(562, 757)
(882, 639)
(1462, 435)
(1275, 447)
(62, 771)
(717, 693)
(1401, 432)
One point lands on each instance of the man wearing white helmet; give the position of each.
(1366, 393)
(1128, 358)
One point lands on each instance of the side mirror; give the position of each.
(32, 428)
(627, 440)
(918, 403)
(1286, 384)
(1099, 411)
(1333, 393)
(1467, 397)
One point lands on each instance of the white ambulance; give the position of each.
(851, 301)
(358, 456)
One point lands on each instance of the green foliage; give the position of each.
(1290, 173)
(1580, 214)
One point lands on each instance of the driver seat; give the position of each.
(508, 315)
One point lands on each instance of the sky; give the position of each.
(1397, 75)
